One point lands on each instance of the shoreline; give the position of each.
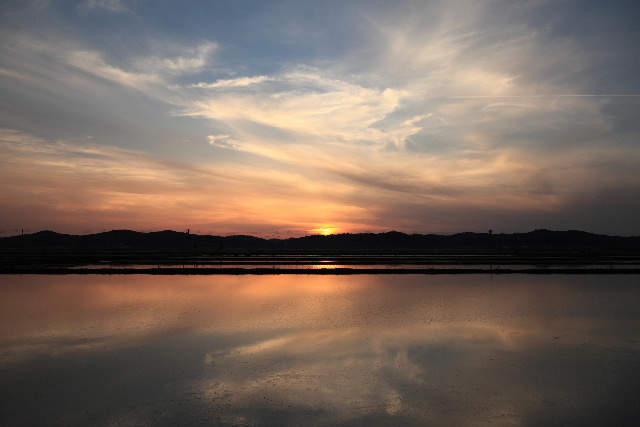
(323, 271)
(318, 263)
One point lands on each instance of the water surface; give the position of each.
(283, 350)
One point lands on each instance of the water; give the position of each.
(330, 265)
(287, 350)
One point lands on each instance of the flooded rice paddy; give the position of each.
(319, 350)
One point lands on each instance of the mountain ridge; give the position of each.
(392, 241)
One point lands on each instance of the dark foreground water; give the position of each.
(283, 350)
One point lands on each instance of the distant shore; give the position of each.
(327, 271)
(314, 264)
(124, 252)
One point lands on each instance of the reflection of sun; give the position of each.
(325, 231)
(327, 265)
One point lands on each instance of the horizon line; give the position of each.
(274, 237)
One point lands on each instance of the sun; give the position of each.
(325, 231)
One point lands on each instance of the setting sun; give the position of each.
(325, 231)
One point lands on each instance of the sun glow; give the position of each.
(325, 231)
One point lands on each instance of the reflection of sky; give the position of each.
(315, 350)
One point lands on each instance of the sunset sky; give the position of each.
(294, 117)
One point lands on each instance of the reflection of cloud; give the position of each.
(425, 350)
(450, 373)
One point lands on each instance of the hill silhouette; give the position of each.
(390, 242)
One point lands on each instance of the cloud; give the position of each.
(130, 181)
(94, 63)
(305, 105)
(115, 6)
(145, 191)
(223, 141)
(490, 154)
(231, 83)
(190, 60)
(151, 75)
(430, 109)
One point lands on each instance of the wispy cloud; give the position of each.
(178, 60)
(115, 6)
(147, 190)
(94, 63)
(223, 141)
(304, 105)
(232, 83)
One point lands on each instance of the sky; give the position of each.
(283, 118)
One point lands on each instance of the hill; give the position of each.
(390, 242)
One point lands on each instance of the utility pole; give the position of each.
(490, 233)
